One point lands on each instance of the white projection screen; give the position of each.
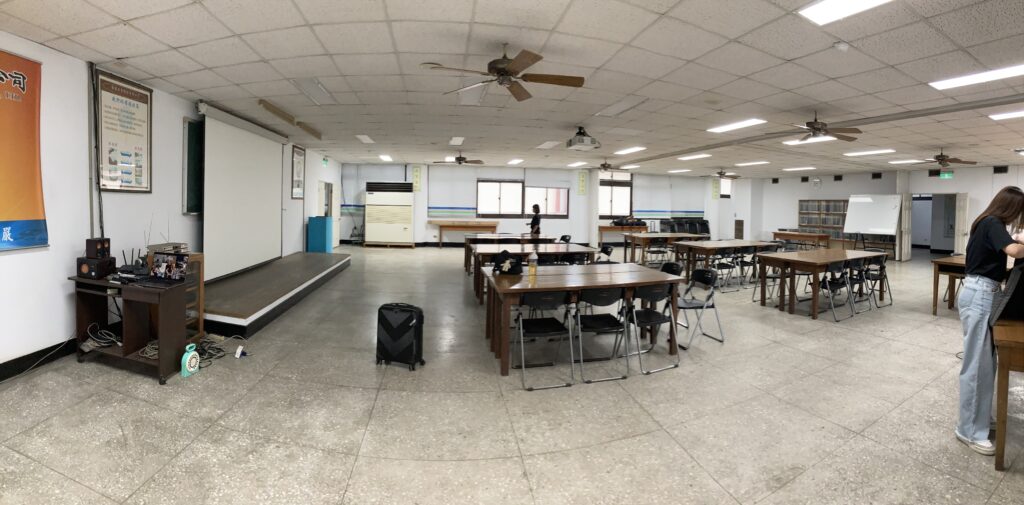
(241, 199)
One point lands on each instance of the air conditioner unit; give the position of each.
(389, 213)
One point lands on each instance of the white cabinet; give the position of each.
(389, 217)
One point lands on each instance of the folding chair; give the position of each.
(603, 324)
(877, 277)
(541, 327)
(650, 317)
(703, 278)
(835, 280)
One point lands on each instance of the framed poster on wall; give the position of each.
(298, 173)
(124, 119)
(22, 214)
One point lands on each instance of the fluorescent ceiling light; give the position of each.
(631, 167)
(549, 144)
(515, 161)
(869, 153)
(827, 11)
(456, 141)
(694, 157)
(622, 106)
(449, 159)
(736, 126)
(631, 150)
(812, 140)
(385, 157)
(315, 91)
(752, 163)
(577, 164)
(730, 173)
(365, 139)
(905, 162)
(991, 75)
(680, 171)
(1007, 115)
(798, 169)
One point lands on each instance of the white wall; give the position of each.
(921, 222)
(293, 215)
(780, 201)
(978, 182)
(37, 306)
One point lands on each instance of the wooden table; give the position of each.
(484, 226)
(634, 240)
(500, 238)
(1008, 336)
(689, 250)
(953, 266)
(504, 291)
(818, 239)
(611, 228)
(483, 254)
(815, 262)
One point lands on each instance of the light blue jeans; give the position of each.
(978, 371)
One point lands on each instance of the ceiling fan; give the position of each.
(722, 174)
(944, 160)
(459, 160)
(506, 72)
(608, 166)
(820, 129)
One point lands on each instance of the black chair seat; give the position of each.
(544, 327)
(724, 266)
(651, 317)
(694, 303)
(600, 323)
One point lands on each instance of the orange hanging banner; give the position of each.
(22, 214)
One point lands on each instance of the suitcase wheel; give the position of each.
(422, 362)
(412, 367)
(387, 362)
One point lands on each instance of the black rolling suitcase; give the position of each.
(400, 334)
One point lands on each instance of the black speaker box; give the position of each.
(97, 248)
(96, 268)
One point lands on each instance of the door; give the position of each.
(903, 233)
(961, 226)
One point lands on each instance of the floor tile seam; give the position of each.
(188, 414)
(807, 411)
(515, 436)
(362, 439)
(378, 386)
(62, 474)
(281, 441)
(55, 414)
(595, 444)
(821, 460)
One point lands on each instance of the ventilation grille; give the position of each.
(837, 178)
(388, 214)
(805, 179)
(876, 175)
(1000, 169)
(934, 172)
(389, 187)
(775, 180)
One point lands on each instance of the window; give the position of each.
(615, 195)
(725, 189)
(499, 198)
(554, 202)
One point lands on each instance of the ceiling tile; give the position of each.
(667, 91)
(119, 41)
(619, 82)
(306, 66)
(983, 22)
(431, 83)
(584, 95)
(68, 46)
(930, 8)
(335, 83)
(713, 101)
(165, 63)
(789, 37)
(367, 64)
(430, 10)
(183, 26)
(218, 53)
(224, 93)
(827, 91)
(245, 16)
(409, 63)
(382, 97)
(62, 17)
(333, 11)
(882, 79)
(376, 83)
(905, 44)
(527, 13)
(862, 103)
(699, 76)
(747, 89)
(355, 38)
(731, 19)
(787, 100)
(738, 59)
(578, 50)
(941, 66)
(605, 19)
(272, 88)
(879, 19)
(488, 39)
(430, 37)
(834, 63)
(24, 29)
(245, 73)
(198, 80)
(678, 39)
(659, 6)
(346, 98)
(1000, 53)
(285, 43)
(125, 70)
(131, 9)
(645, 63)
(788, 76)
(910, 94)
(163, 85)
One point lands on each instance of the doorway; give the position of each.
(934, 222)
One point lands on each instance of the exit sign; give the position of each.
(945, 175)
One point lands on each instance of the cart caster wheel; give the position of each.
(422, 362)
(412, 368)
(163, 382)
(81, 359)
(387, 362)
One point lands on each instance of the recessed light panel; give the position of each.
(1007, 115)
(577, 164)
(385, 157)
(991, 75)
(630, 167)
(630, 150)
(449, 159)
(365, 139)
(812, 140)
(752, 163)
(515, 161)
(828, 11)
(905, 162)
(869, 153)
(456, 141)
(693, 157)
(798, 169)
(680, 171)
(736, 126)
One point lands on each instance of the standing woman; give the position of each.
(535, 222)
(987, 249)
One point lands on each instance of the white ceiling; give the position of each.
(698, 64)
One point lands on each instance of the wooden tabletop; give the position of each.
(613, 227)
(801, 234)
(526, 249)
(820, 256)
(505, 284)
(1008, 332)
(665, 235)
(594, 268)
(722, 244)
(953, 261)
(439, 222)
(507, 236)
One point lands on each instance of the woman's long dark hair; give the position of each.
(1007, 206)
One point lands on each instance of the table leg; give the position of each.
(489, 322)
(440, 237)
(672, 335)
(792, 290)
(815, 287)
(1002, 397)
(783, 273)
(951, 289)
(465, 258)
(503, 332)
(935, 289)
(478, 279)
(761, 272)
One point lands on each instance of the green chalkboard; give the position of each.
(193, 167)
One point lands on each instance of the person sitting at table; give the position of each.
(535, 222)
(987, 248)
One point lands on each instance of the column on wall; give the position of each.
(593, 206)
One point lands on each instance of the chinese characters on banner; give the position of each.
(22, 215)
(124, 116)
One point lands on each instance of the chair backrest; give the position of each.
(705, 276)
(601, 297)
(545, 300)
(836, 267)
(671, 268)
(703, 226)
(728, 251)
(877, 260)
(856, 264)
(565, 239)
(607, 250)
(658, 242)
(653, 293)
(667, 225)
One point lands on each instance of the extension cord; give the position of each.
(216, 338)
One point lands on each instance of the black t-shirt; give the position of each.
(535, 224)
(985, 254)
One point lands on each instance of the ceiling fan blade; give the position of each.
(437, 66)
(471, 86)
(518, 91)
(807, 137)
(522, 61)
(557, 80)
(733, 177)
(847, 138)
(799, 126)
(474, 162)
(444, 163)
(962, 162)
(844, 130)
(928, 162)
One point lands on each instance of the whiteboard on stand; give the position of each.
(872, 214)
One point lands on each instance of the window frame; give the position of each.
(547, 216)
(720, 183)
(522, 196)
(617, 183)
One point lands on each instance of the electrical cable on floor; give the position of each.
(210, 348)
(99, 338)
(29, 369)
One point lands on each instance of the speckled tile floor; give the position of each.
(788, 410)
